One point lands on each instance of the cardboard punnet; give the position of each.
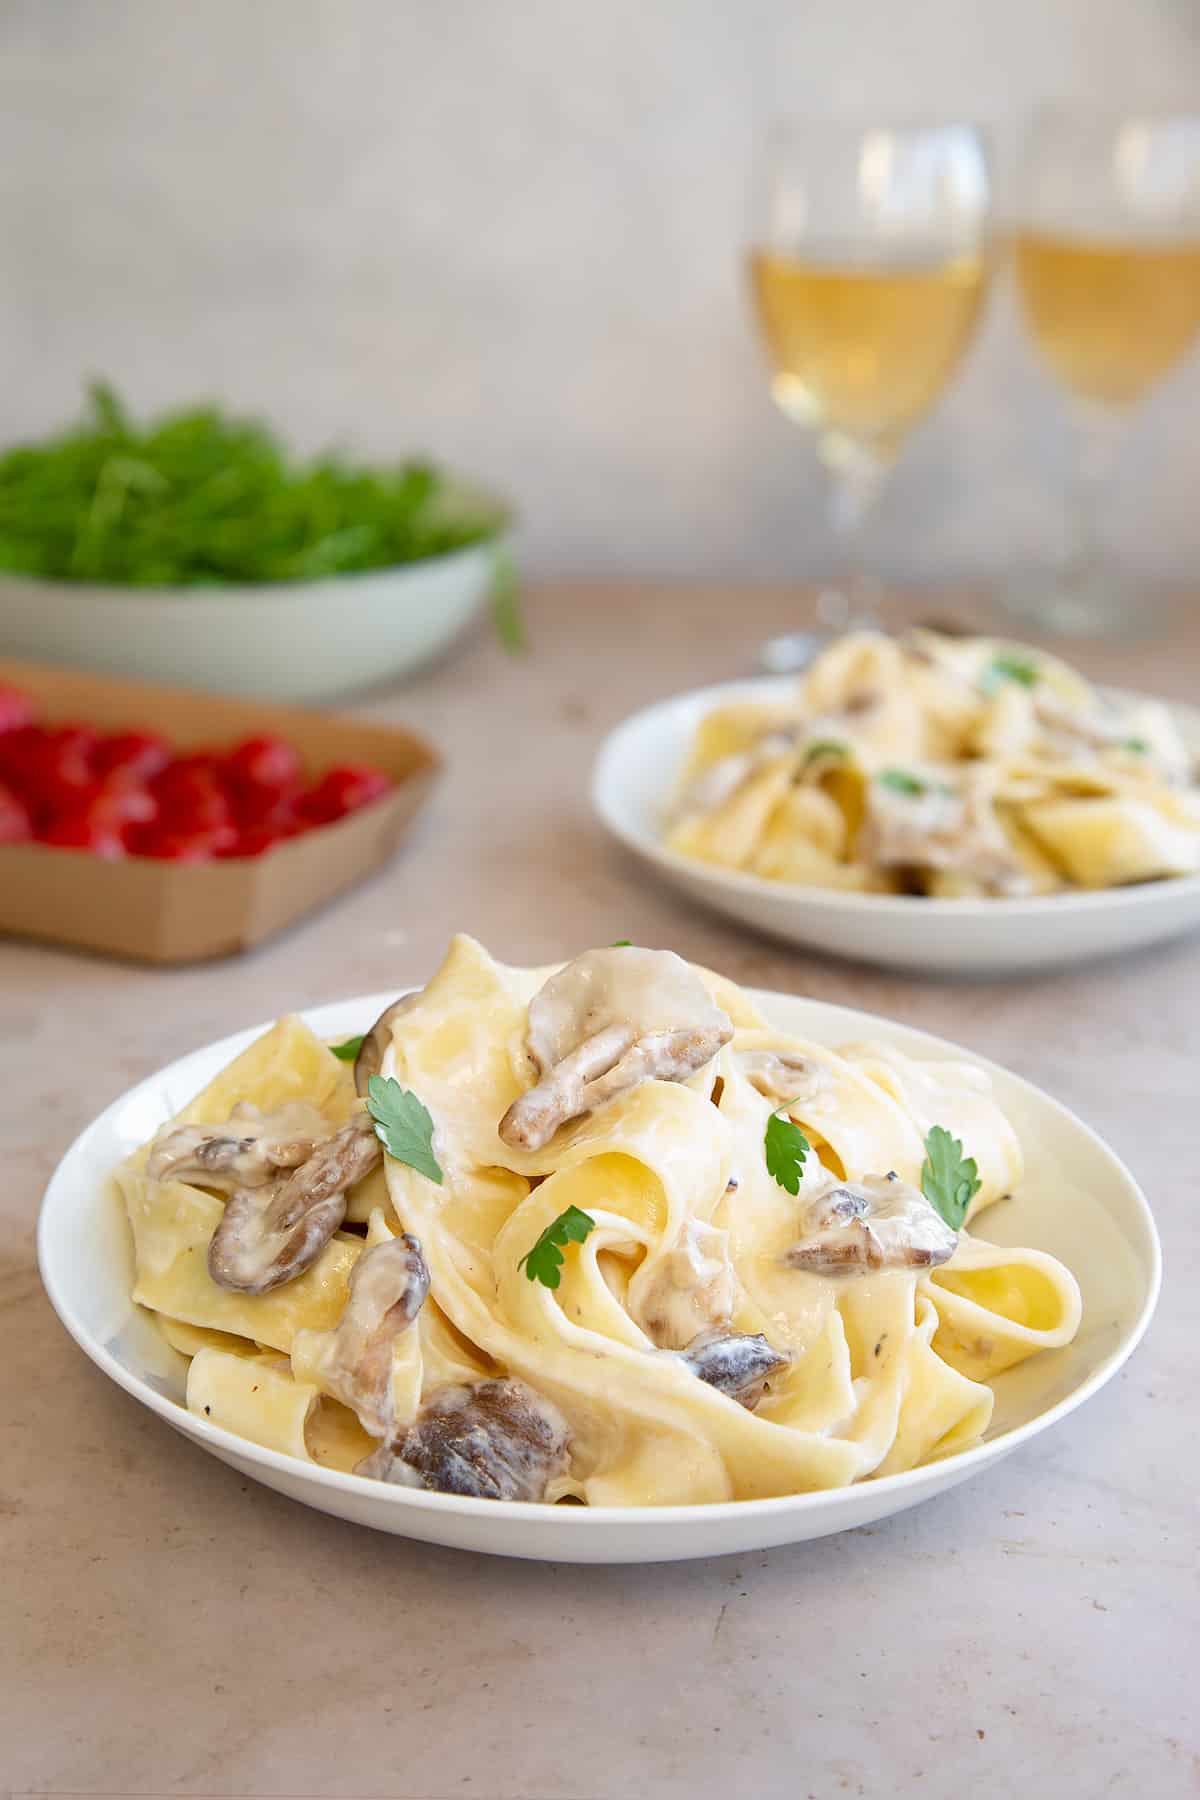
(180, 912)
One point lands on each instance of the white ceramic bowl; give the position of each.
(1077, 1201)
(287, 640)
(635, 779)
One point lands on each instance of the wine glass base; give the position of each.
(1104, 605)
(791, 652)
(854, 607)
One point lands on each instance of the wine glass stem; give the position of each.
(856, 475)
(1101, 430)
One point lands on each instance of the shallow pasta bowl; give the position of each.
(636, 776)
(1077, 1202)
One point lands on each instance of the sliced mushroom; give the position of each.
(782, 1074)
(1073, 731)
(388, 1286)
(735, 1363)
(941, 825)
(604, 1024)
(491, 1440)
(880, 1222)
(269, 1235)
(692, 1289)
(249, 1150)
(374, 1046)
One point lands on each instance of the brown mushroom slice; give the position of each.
(782, 1074)
(880, 1222)
(388, 1287)
(604, 1024)
(940, 824)
(692, 1289)
(374, 1046)
(736, 1363)
(249, 1150)
(270, 1235)
(489, 1440)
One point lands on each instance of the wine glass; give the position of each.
(1107, 258)
(868, 268)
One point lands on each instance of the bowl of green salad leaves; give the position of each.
(195, 549)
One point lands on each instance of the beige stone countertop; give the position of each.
(171, 1628)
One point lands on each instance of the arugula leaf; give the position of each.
(1138, 745)
(785, 1147)
(622, 944)
(199, 497)
(949, 1180)
(824, 747)
(901, 782)
(348, 1052)
(506, 603)
(544, 1261)
(403, 1126)
(1021, 669)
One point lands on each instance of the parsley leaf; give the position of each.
(543, 1262)
(1136, 744)
(1009, 668)
(348, 1052)
(949, 1180)
(785, 1147)
(901, 782)
(824, 747)
(403, 1126)
(622, 944)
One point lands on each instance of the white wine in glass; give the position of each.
(869, 270)
(1107, 259)
(861, 351)
(1109, 318)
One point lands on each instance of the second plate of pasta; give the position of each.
(923, 803)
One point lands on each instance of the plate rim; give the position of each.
(814, 1503)
(1146, 895)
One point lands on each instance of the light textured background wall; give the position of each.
(509, 231)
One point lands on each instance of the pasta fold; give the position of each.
(858, 1368)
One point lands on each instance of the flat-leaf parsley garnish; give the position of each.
(785, 1147)
(901, 782)
(824, 747)
(348, 1052)
(1138, 745)
(403, 1126)
(622, 944)
(544, 1261)
(1020, 669)
(949, 1180)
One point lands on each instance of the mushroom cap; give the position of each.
(738, 1364)
(782, 1074)
(646, 991)
(389, 1284)
(880, 1222)
(496, 1439)
(269, 1235)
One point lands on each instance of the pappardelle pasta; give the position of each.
(596, 1234)
(945, 767)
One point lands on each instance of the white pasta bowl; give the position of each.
(1076, 1201)
(636, 776)
(284, 640)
